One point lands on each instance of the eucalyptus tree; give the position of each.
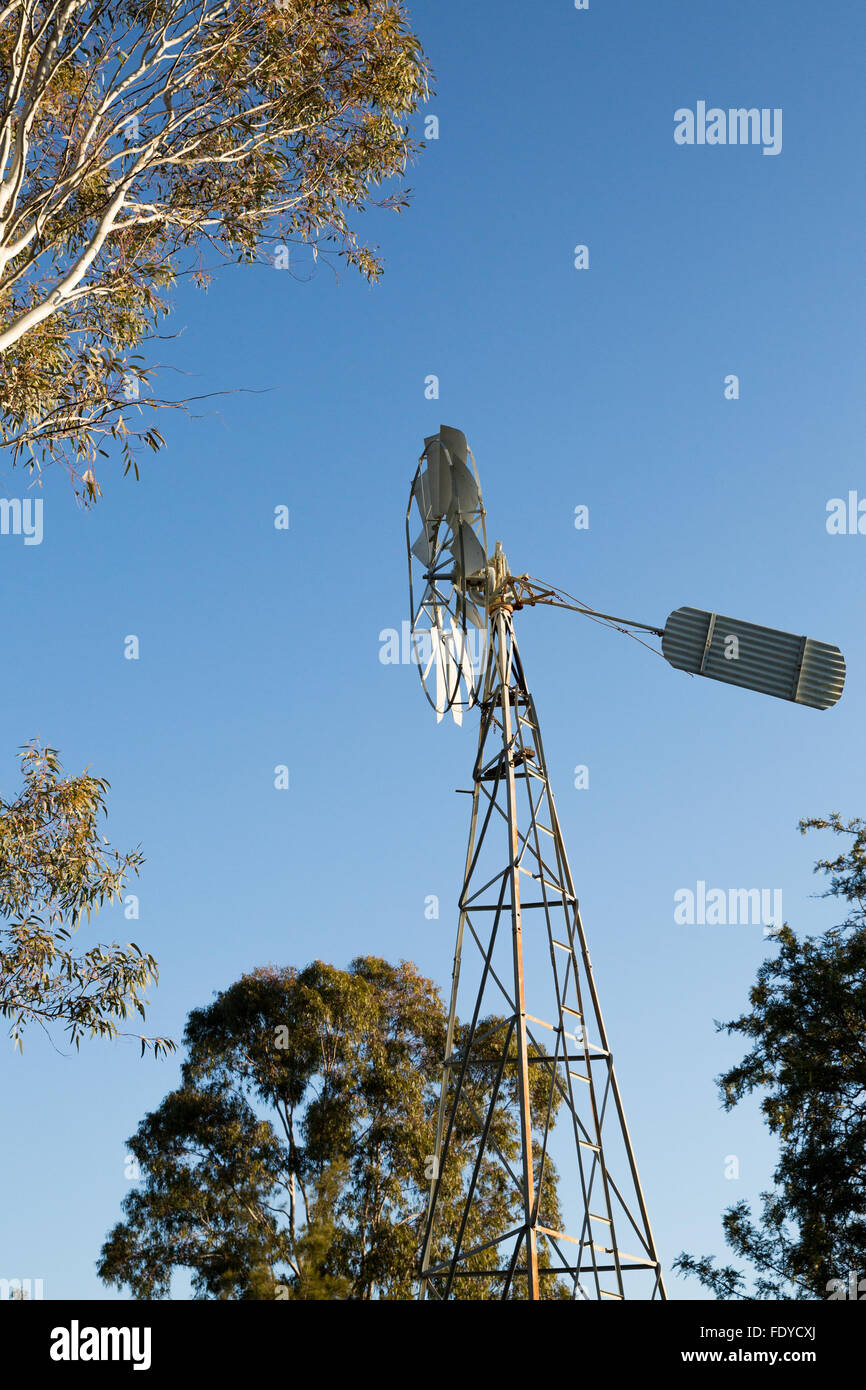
(139, 136)
(293, 1162)
(55, 871)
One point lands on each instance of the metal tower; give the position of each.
(529, 1092)
(518, 900)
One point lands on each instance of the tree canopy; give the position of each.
(807, 1033)
(54, 870)
(138, 136)
(294, 1159)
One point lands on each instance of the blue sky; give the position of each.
(602, 387)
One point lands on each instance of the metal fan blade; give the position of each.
(452, 642)
(472, 601)
(426, 494)
(474, 614)
(455, 442)
(421, 493)
(452, 672)
(440, 656)
(424, 549)
(422, 648)
(467, 550)
(457, 713)
(437, 487)
(434, 472)
(464, 658)
(465, 497)
(758, 658)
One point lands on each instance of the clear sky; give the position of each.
(603, 387)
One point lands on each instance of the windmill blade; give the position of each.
(455, 442)
(438, 661)
(463, 657)
(775, 663)
(459, 670)
(456, 654)
(425, 547)
(475, 611)
(447, 674)
(465, 493)
(422, 648)
(465, 497)
(452, 672)
(439, 472)
(474, 614)
(433, 485)
(467, 550)
(421, 493)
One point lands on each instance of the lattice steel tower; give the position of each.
(530, 1114)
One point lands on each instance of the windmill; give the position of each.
(528, 1087)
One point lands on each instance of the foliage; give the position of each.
(807, 1028)
(292, 1162)
(138, 135)
(53, 871)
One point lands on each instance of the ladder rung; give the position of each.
(578, 1075)
(567, 1010)
(596, 1217)
(585, 1144)
(563, 945)
(605, 1293)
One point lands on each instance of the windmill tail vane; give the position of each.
(535, 1192)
